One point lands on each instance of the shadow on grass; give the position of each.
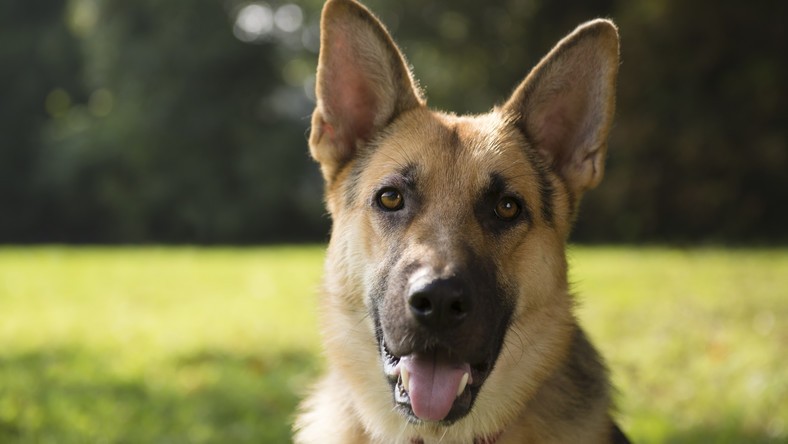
(729, 435)
(69, 395)
(76, 396)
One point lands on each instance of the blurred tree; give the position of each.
(470, 57)
(40, 69)
(699, 151)
(184, 121)
(176, 142)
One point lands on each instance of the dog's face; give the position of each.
(444, 205)
(446, 268)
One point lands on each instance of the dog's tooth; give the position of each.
(463, 383)
(405, 379)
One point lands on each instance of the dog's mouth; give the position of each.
(433, 385)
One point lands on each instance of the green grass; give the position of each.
(182, 345)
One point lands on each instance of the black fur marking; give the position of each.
(584, 376)
(485, 207)
(546, 194)
(546, 189)
(617, 436)
(478, 340)
(403, 181)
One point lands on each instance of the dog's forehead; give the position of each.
(443, 149)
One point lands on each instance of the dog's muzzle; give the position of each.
(436, 360)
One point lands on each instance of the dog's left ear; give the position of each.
(363, 83)
(565, 106)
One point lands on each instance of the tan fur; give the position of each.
(370, 122)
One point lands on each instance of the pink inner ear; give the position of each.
(348, 98)
(567, 129)
(328, 130)
(554, 134)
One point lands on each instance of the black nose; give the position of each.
(440, 303)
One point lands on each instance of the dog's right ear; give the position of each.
(363, 83)
(565, 106)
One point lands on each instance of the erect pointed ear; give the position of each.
(363, 83)
(565, 106)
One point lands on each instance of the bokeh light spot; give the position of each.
(253, 22)
(101, 102)
(57, 103)
(289, 18)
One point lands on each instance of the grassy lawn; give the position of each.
(182, 345)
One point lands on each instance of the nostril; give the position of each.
(421, 304)
(457, 307)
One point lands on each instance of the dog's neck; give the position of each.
(492, 439)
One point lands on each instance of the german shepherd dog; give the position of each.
(446, 313)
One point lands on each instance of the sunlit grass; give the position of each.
(155, 345)
(216, 345)
(696, 339)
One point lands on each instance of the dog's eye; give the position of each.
(507, 208)
(390, 199)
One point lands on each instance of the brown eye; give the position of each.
(390, 199)
(507, 209)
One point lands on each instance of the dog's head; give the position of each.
(448, 237)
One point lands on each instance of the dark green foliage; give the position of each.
(149, 121)
(700, 150)
(37, 55)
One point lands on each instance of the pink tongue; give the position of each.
(434, 380)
